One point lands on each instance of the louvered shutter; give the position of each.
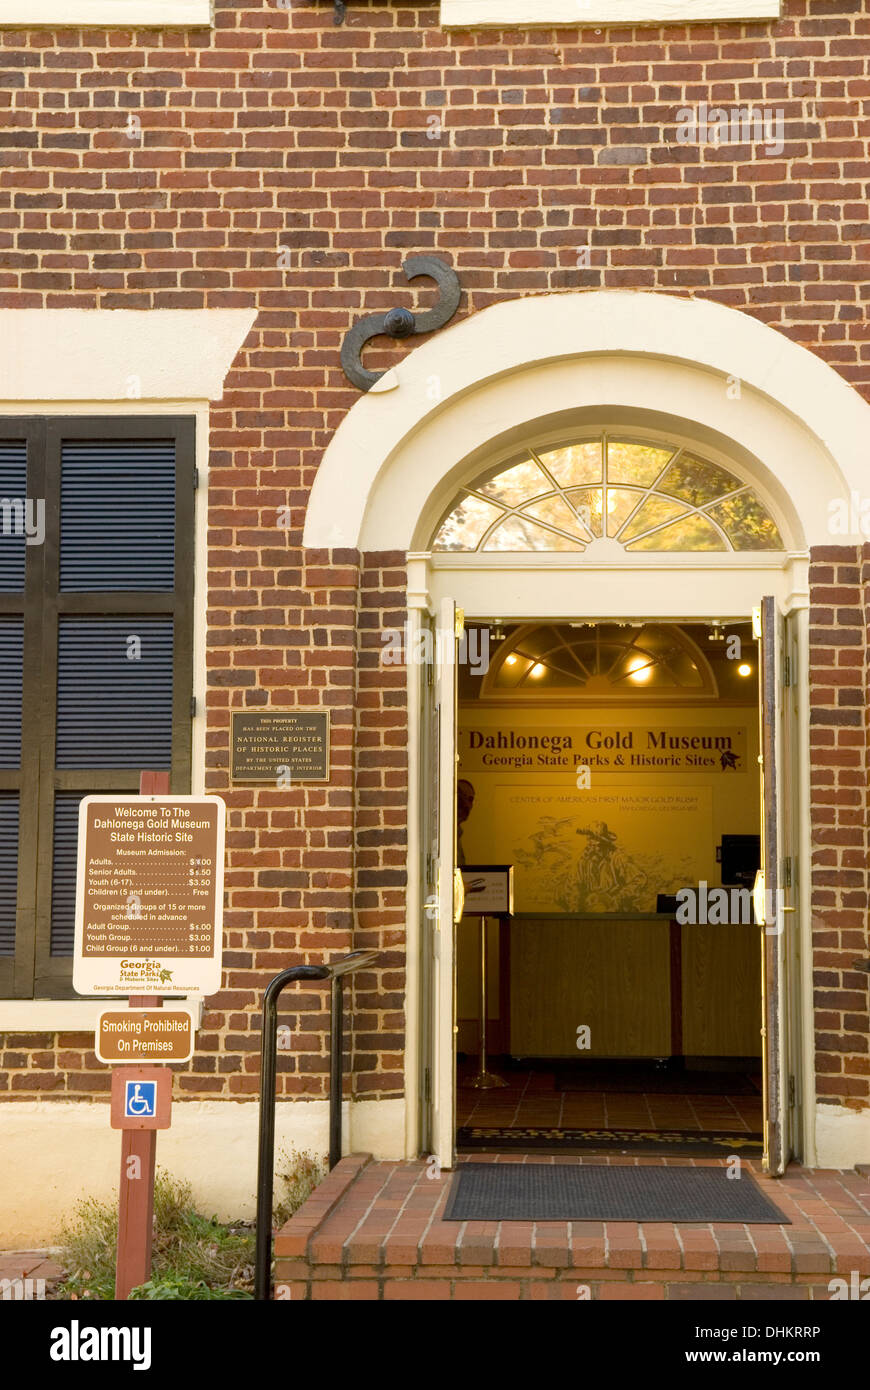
(114, 692)
(117, 516)
(8, 870)
(13, 492)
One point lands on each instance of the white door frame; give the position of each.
(523, 587)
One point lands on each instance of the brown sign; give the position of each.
(145, 1035)
(149, 895)
(280, 746)
(141, 1098)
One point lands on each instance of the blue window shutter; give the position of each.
(13, 490)
(114, 711)
(11, 672)
(117, 516)
(8, 870)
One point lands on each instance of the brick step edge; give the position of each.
(295, 1235)
(445, 1288)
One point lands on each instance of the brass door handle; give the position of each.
(458, 895)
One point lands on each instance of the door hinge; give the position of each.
(787, 671)
(195, 479)
(193, 706)
(791, 1092)
(786, 873)
(427, 1085)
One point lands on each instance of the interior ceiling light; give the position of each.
(640, 669)
(538, 669)
(744, 669)
(510, 660)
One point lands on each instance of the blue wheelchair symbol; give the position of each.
(140, 1099)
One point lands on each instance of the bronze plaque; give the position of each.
(149, 895)
(144, 1035)
(280, 746)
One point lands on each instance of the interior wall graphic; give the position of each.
(662, 786)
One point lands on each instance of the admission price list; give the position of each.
(151, 880)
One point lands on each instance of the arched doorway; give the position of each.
(552, 373)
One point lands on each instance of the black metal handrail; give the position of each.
(335, 973)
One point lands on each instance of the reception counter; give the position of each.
(644, 985)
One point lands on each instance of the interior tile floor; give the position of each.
(531, 1099)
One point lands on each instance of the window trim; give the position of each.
(481, 14)
(32, 971)
(99, 14)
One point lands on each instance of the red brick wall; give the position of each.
(839, 616)
(279, 130)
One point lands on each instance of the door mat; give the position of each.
(589, 1192)
(688, 1143)
(656, 1081)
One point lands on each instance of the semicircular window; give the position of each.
(645, 497)
(600, 660)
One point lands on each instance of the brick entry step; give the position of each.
(374, 1230)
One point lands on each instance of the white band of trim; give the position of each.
(479, 14)
(119, 354)
(100, 14)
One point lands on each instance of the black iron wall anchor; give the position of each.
(401, 323)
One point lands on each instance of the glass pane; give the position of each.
(621, 502)
(692, 533)
(589, 504)
(556, 511)
(512, 670)
(517, 484)
(697, 481)
(654, 512)
(575, 464)
(684, 671)
(466, 524)
(637, 670)
(747, 523)
(516, 534)
(635, 463)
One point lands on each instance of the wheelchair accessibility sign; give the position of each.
(141, 1097)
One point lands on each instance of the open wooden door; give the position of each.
(448, 892)
(771, 888)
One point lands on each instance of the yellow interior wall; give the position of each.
(676, 831)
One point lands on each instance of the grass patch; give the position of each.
(193, 1256)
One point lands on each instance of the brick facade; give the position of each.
(290, 165)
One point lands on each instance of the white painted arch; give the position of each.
(544, 365)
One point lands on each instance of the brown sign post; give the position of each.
(149, 906)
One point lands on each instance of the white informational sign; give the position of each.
(489, 890)
(149, 895)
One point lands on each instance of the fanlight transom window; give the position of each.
(600, 661)
(643, 496)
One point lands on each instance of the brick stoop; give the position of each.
(373, 1230)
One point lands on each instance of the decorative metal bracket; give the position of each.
(340, 12)
(401, 323)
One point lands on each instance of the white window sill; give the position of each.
(102, 14)
(479, 14)
(63, 1015)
